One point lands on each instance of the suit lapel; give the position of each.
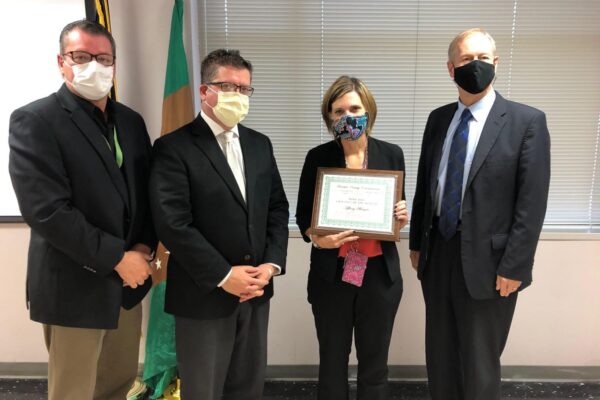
(440, 133)
(493, 125)
(207, 142)
(375, 160)
(250, 160)
(92, 133)
(125, 135)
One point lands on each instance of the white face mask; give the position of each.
(231, 108)
(92, 80)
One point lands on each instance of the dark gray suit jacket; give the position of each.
(83, 211)
(505, 197)
(202, 219)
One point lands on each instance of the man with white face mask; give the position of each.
(79, 164)
(220, 208)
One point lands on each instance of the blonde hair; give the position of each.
(464, 35)
(342, 86)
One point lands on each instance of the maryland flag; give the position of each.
(160, 365)
(98, 11)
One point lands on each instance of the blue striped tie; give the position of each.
(451, 200)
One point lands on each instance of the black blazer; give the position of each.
(202, 219)
(382, 155)
(83, 211)
(505, 197)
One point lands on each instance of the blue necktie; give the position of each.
(451, 200)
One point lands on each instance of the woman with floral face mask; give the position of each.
(354, 285)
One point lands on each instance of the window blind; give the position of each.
(548, 53)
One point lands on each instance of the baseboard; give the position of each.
(406, 373)
(23, 370)
(418, 373)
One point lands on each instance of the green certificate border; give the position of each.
(391, 183)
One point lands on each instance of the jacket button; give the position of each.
(247, 257)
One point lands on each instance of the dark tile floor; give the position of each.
(35, 389)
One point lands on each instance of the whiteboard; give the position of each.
(33, 27)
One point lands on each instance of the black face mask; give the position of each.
(475, 76)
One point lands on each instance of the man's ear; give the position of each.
(450, 67)
(60, 61)
(202, 90)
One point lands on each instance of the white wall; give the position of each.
(25, 79)
(556, 323)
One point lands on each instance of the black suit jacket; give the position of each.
(202, 219)
(83, 211)
(382, 155)
(505, 196)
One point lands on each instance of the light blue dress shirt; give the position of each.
(480, 112)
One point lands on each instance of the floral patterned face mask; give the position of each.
(350, 127)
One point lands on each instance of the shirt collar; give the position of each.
(482, 108)
(94, 112)
(216, 128)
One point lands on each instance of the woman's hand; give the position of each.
(332, 241)
(401, 213)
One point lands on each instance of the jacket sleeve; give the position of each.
(169, 193)
(306, 193)
(419, 199)
(148, 236)
(277, 220)
(533, 181)
(43, 191)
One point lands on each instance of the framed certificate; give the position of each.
(359, 199)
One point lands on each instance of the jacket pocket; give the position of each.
(499, 241)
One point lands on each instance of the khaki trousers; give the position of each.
(99, 364)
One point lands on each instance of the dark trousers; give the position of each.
(339, 310)
(225, 358)
(464, 337)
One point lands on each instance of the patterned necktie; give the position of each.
(233, 162)
(451, 200)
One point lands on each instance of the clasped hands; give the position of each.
(247, 282)
(134, 267)
(336, 240)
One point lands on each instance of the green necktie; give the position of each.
(118, 151)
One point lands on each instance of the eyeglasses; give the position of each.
(83, 57)
(232, 87)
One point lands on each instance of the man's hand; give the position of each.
(401, 213)
(414, 259)
(334, 241)
(245, 280)
(134, 268)
(142, 248)
(506, 286)
(265, 272)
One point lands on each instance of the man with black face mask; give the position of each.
(478, 210)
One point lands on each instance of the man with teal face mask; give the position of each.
(79, 164)
(479, 207)
(220, 209)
